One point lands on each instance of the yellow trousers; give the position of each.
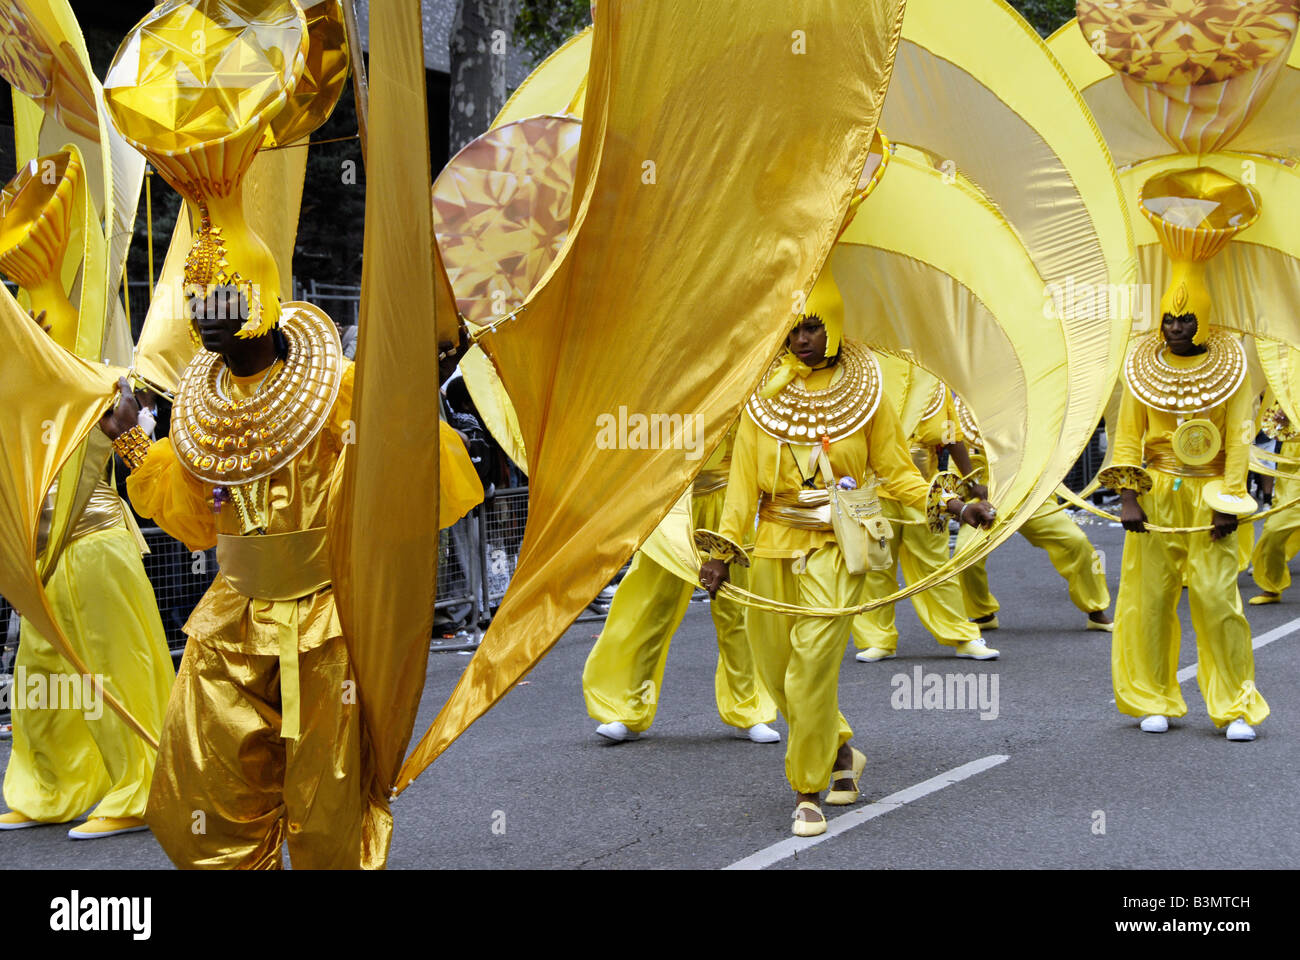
(229, 791)
(1069, 550)
(624, 675)
(72, 752)
(1279, 540)
(799, 658)
(919, 552)
(1144, 651)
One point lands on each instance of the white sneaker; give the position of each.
(974, 650)
(1239, 729)
(761, 733)
(874, 654)
(618, 732)
(1156, 723)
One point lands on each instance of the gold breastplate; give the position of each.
(799, 415)
(1185, 391)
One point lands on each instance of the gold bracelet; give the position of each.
(133, 446)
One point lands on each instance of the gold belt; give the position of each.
(810, 510)
(103, 510)
(1170, 464)
(279, 568)
(709, 481)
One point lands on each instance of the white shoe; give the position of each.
(1156, 723)
(1239, 729)
(974, 650)
(618, 732)
(761, 733)
(873, 654)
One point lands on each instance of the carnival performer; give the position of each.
(920, 551)
(1049, 528)
(623, 677)
(69, 757)
(827, 392)
(1278, 541)
(1187, 414)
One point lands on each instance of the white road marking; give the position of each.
(842, 824)
(1263, 640)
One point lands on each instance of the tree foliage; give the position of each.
(542, 25)
(1045, 16)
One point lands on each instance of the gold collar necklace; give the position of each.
(800, 415)
(1185, 391)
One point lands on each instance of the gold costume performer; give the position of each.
(1188, 417)
(623, 677)
(920, 551)
(828, 391)
(1049, 528)
(70, 752)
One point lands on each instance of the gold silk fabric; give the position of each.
(36, 59)
(651, 310)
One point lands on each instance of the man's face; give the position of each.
(217, 314)
(807, 340)
(1178, 331)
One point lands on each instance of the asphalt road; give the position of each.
(531, 785)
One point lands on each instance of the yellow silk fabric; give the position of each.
(762, 464)
(298, 498)
(617, 321)
(49, 402)
(459, 490)
(385, 560)
(1145, 433)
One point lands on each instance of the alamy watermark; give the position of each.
(654, 431)
(53, 691)
(946, 691)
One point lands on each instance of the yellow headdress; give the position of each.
(826, 303)
(195, 86)
(1195, 213)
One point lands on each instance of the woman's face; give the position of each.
(1178, 332)
(807, 341)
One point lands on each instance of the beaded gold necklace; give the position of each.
(1185, 391)
(966, 420)
(935, 403)
(799, 415)
(225, 441)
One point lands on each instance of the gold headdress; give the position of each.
(195, 86)
(1195, 213)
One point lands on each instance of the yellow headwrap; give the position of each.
(1195, 213)
(825, 303)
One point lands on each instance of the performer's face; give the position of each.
(1178, 332)
(217, 316)
(807, 341)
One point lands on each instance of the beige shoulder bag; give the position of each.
(861, 531)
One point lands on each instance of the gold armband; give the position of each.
(714, 546)
(943, 488)
(133, 446)
(1125, 477)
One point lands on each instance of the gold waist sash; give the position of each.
(808, 510)
(709, 481)
(103, 510)
(1170, 464)
(926, 460)
(278, 566)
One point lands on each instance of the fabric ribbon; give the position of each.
(790, 367)
(285, 615)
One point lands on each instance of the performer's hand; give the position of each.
(40, 320)
(980, 491)
(124, 416)
(1224, 524)
(1131, 515)
(713, 574)
(978, 514)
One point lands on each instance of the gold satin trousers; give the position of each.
(623, 678)
(918, 551)
(1279, 540)
(1069, 550)
(799, 658)
(1144, 648)
(228, 791)
(66, 759)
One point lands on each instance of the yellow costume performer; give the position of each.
(1049, 528)
(1188, 415)
(920, 551)
(70, 752)
(623, 678)
(1279, 540)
